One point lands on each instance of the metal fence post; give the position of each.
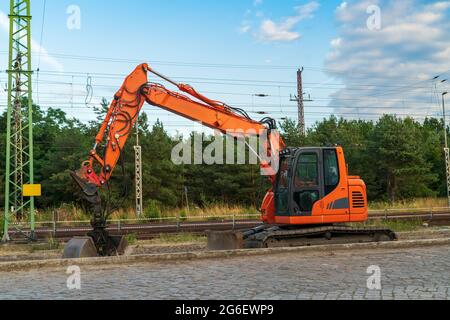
(54, 224)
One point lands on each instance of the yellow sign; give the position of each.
(32, 190)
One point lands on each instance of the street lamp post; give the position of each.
(446, 149)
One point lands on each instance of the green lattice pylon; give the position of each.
(19, 135)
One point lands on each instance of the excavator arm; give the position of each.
(128, 102)
(121, 118)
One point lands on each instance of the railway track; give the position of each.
(142, 231)
(145, 231)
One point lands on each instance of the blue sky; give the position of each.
(349, 70)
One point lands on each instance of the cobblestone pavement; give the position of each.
(422, 273)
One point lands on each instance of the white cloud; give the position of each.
(381, 69)
(342, 6)
(307, 10)
(46, 58)
(284, 30)
(335, 43)
(245, 27)
(440, 6)
(270, 31)
(257, 2)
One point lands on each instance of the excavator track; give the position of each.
(267, 236)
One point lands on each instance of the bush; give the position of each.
(152, 210)
(131, 238)
(183, 215)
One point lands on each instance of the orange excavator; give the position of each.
(311, 199)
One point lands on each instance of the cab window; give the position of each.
(282, 194)
(307, 172)
(331, 170)
(307, 182)
(283, 182)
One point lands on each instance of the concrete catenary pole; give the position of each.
(446, 149)
(301, 104)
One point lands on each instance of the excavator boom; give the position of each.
(128, 102)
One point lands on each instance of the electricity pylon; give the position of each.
(19, 133)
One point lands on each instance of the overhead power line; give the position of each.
(347, 73)
(209, 79)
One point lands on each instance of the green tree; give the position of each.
(403, 171)
(291, 134)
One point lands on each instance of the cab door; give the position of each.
(336, 198)
(307, 186)
(282, 191)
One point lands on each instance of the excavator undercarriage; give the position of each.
(269, 236)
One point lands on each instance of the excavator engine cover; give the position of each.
(225, 240)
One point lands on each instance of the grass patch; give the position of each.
(178, 238)
(67, 212)
(397, 225)
(419, 203)
(211, 212)
(153, 211)
(51, 244)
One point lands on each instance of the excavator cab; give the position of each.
(313, 187)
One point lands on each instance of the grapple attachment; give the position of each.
(84, 247)
(98, 242)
